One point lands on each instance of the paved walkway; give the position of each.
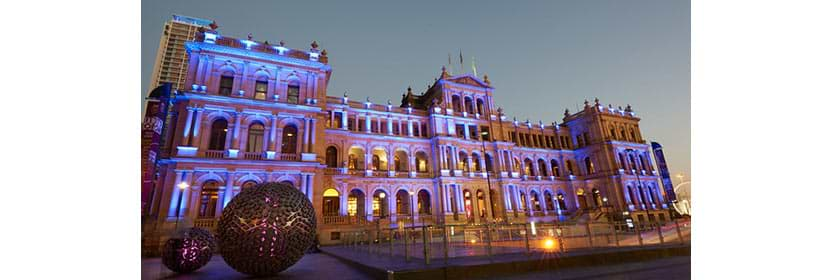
(311, 266)
(674, 268)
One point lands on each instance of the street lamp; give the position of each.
(182, 186)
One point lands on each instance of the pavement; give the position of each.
(311, 266)
(673, 268)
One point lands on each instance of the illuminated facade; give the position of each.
(254, 111)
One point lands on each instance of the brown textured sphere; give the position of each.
(266, 229)
(189, 251)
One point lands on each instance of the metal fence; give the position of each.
(446, 242)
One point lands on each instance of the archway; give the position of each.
(481, 203)
(355, 158)
(355, 204)
(402, 203)
(596, 196)
(535, 199)
(331, 203)
(582, 199)
(332, 157)
(467, 195)
(424, 202)
(380, 204)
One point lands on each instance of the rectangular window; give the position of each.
(459, 130)
(226, 85)
(424, 131)
(260, 89)
(292, 93)
(485, 133)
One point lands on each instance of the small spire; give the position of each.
(367, 99)
(629, 108)
(409, 90)
(323, 52)
(249, 36)
(266, 43)
(314, 45)
(486, 79)
(282, 43)
(566, 112)
(586, 103)
(389, 102)
(213, 25)
(597, 102)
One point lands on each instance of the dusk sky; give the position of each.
(541, 56)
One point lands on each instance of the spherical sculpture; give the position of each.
(266, 229)
(189, 251)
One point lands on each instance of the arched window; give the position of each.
(247, 184)
(542, 167)
(463, 162)
(401, 161)
(331, 202)
(421, 163)
(456, 103)
(570, 169)
(623, 161)
(476, 163)
(590, 166)
(293, 92)
(402, 202)
(480, 104)
(632, 162)
(289, 142)
(488, 162)
(643, 162)
(355, 204)
(380, 204)
(548, 199)
(596, 196)
(217, 137)
(376, 162)
(517, 164)
(424, 203)
(481, 202)
(208, 200)
(261, 87)
(227, 79)
(254, 141)
(556, 170)
(468, 105)
(561, 202)
(528, 167)
(331, 156)
(536, 201)
(356, 158)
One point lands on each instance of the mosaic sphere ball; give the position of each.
(190, 250)
(266, 228)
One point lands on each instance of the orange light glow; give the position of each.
(472, 241)
(549, 244)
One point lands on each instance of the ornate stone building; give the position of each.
(255, 111)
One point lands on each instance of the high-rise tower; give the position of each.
(172, 61)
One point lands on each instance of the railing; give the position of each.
(207, 223)
(442, 242)
(344, 220)
(289, 157)
(214, 154)
(253, 156)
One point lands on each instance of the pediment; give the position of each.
(468, 80)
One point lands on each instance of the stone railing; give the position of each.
(253, 156)
(207, 223)
(289, 157)
(214, 154)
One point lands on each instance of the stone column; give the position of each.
(176, 195)
(409, 127)
(344, 120)
(368, 123)
(187, 126)
(476, 209)
(466, 131)
(344, 200)
(230, 180)
(314, 133)
(306, 128)
(198, 115)
(459, 198)
(195, 199)
(367, 197)
(221, 196)
(393, 207)
(389, 124)
(446, 206)
(507, 201)
(454, 157)
(236, 132)
(273, 132)
(413, 208)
